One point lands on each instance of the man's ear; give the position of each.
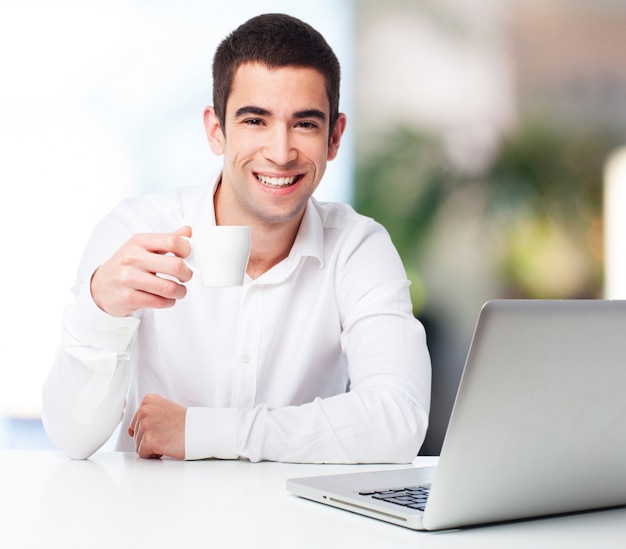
(214, 132)
(335, 136)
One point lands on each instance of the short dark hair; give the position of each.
(274, 40)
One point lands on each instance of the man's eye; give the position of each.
(307, 125)
(253, 121)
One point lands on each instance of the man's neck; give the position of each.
(269, 246)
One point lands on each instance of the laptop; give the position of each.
(538, 426)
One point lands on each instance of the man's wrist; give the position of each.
(90, 324)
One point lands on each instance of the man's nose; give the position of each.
(279, 147)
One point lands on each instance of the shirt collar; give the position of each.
(310, 238)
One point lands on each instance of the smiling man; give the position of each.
(316, 358)
(279, 139)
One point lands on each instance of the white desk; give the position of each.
(117, 500)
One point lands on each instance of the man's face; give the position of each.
(276, 142)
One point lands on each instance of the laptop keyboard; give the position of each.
(413, 497)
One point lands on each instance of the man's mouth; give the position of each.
(277, 181)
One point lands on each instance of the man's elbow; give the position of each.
(399, 436)
(411, 437)
(75, 441)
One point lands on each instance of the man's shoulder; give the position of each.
(338, 215)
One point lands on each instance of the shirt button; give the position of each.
(246, 358)
(123, 330)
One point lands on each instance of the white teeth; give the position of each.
(276, 181)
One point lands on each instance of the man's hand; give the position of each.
(158, 428)
(128, 281)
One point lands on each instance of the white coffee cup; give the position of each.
(219, 254)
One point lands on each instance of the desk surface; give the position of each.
(117, 500)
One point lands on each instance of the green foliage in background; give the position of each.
(402, 185)
(541, 197)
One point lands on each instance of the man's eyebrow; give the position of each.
(311, 113)
(258, 111)
(300, 115)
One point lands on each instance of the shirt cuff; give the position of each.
(90, 324)
(211, 433)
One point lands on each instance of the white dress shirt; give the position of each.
(320, 359)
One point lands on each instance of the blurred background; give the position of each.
(479, 135)
(483, 130)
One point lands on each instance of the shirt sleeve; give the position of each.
(382, 418)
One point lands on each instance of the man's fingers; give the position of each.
(146, 272)
(163, 243)
(145, 450)
(158, 428)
